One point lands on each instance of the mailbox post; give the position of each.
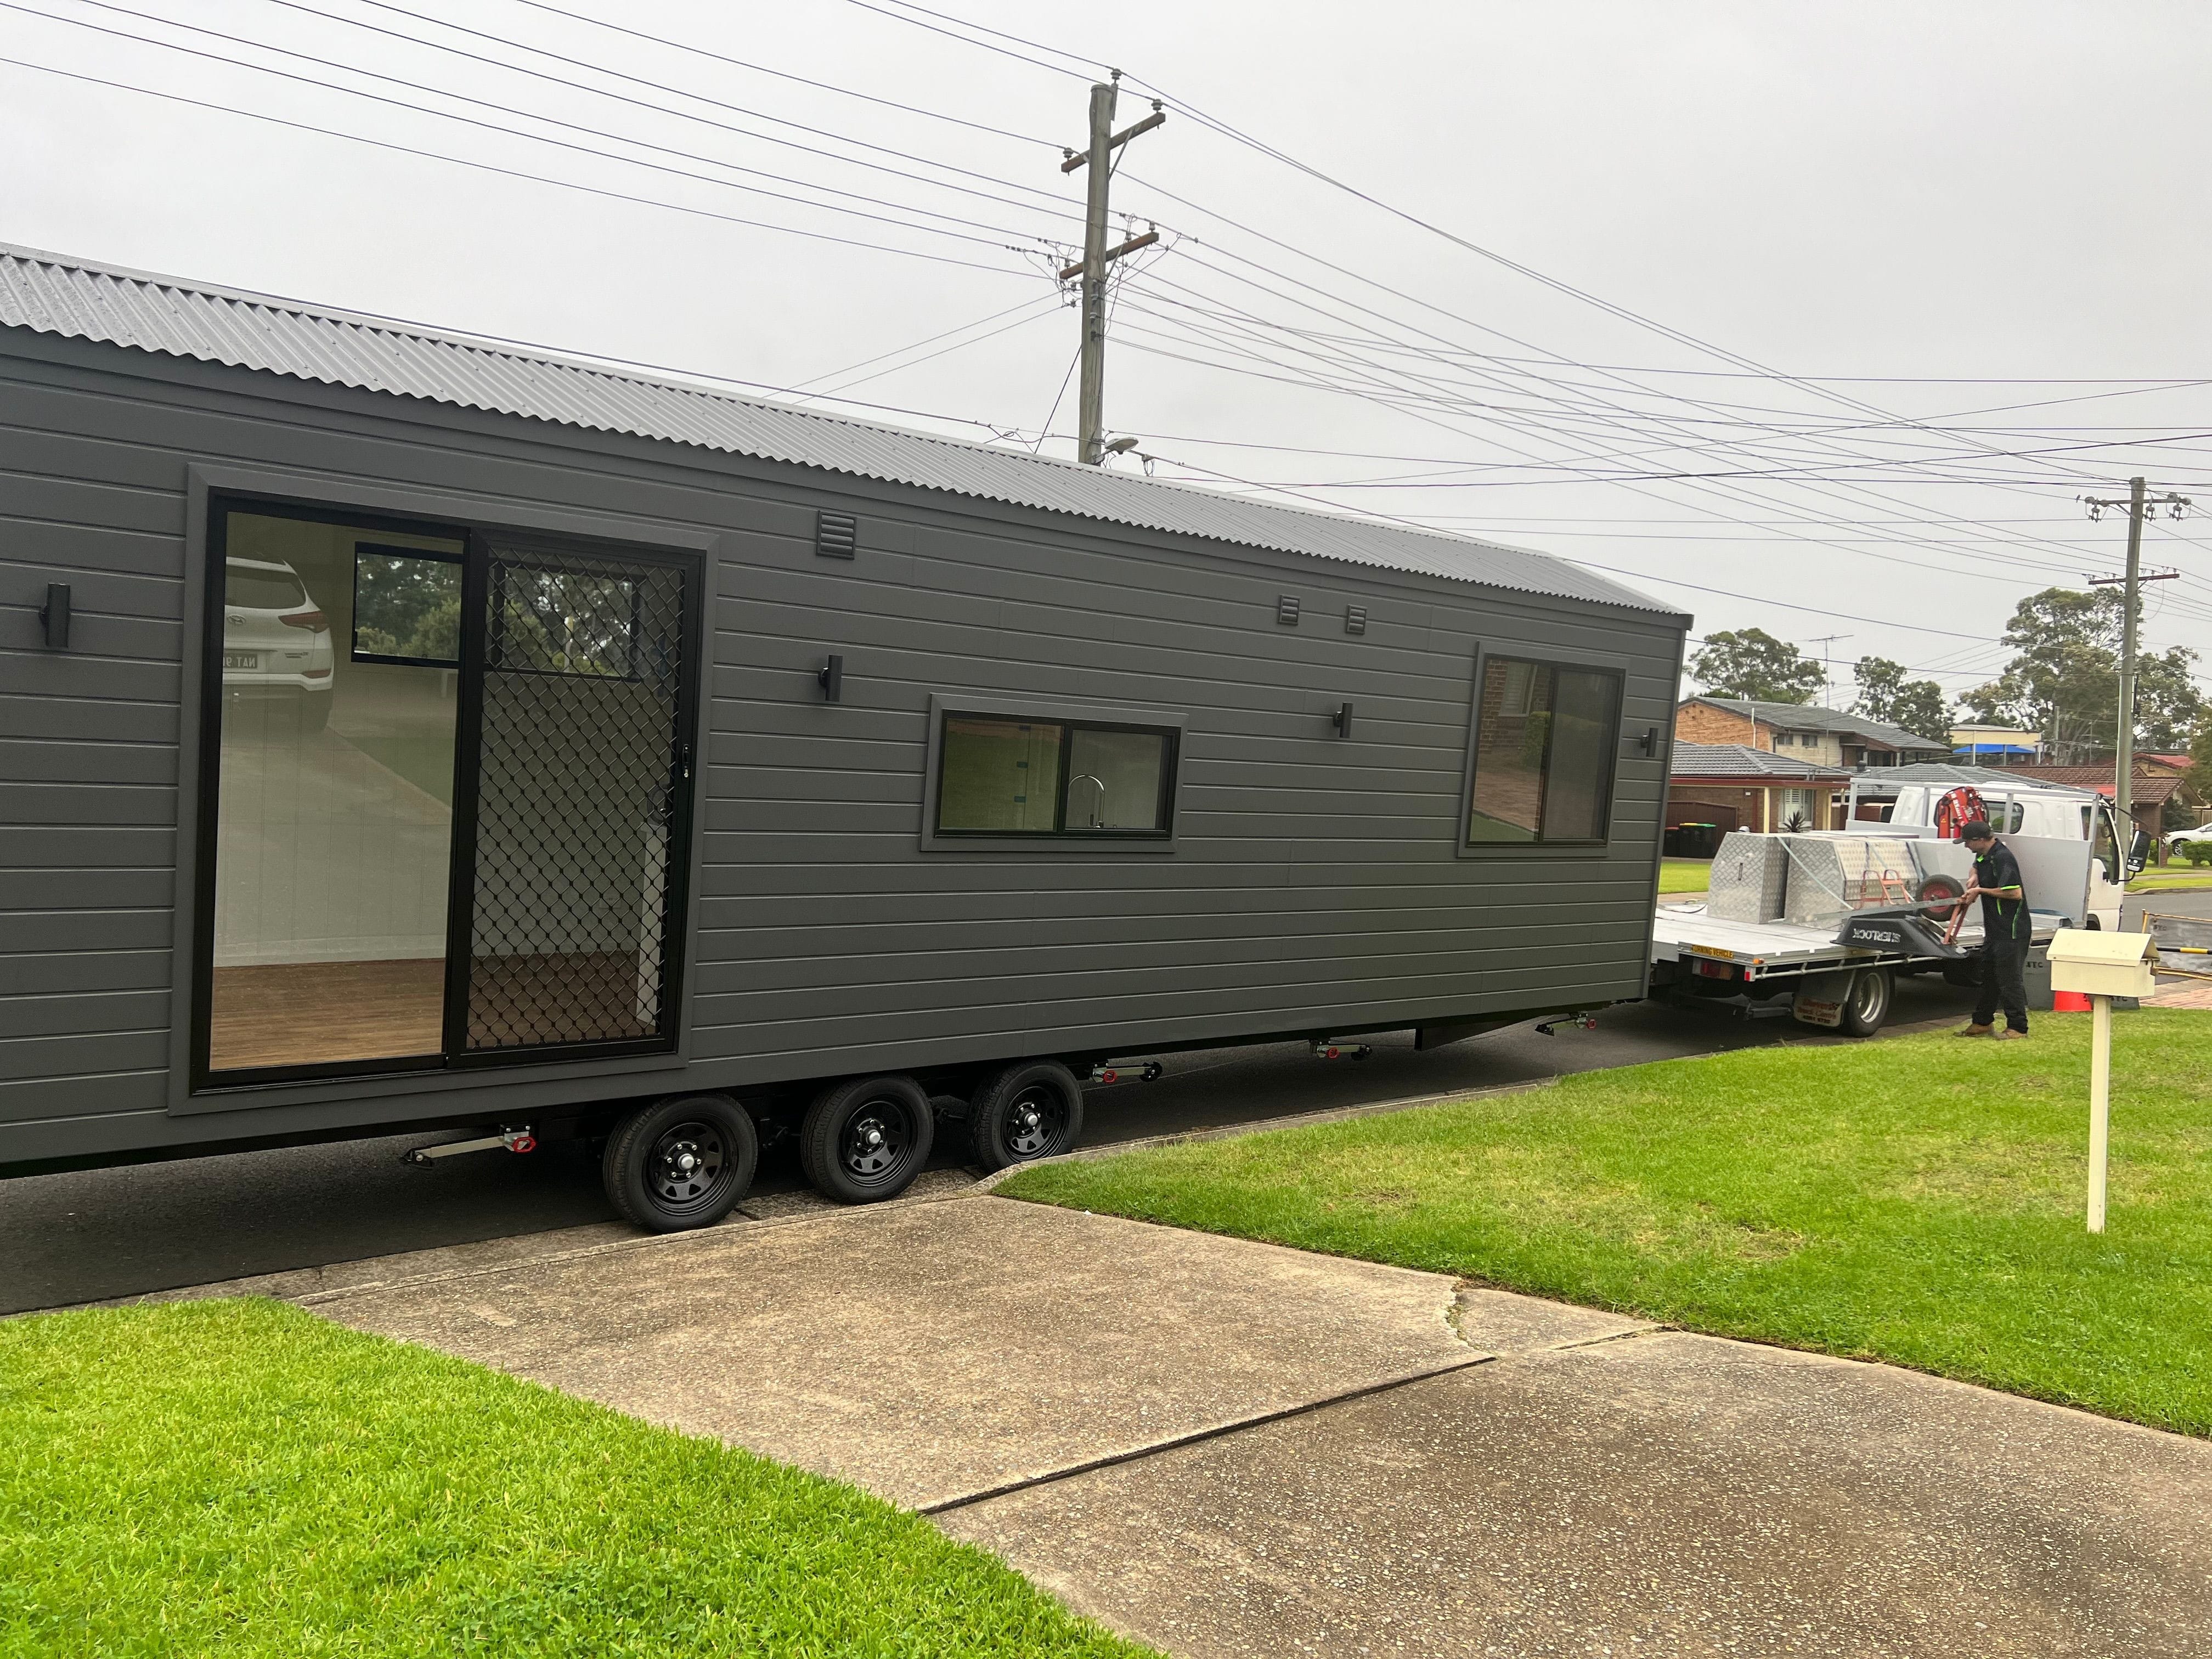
(2104, 966)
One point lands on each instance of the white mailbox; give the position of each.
(2102, 964)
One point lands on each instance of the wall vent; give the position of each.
(835, 535)
(1287, 611)
(1355, 619)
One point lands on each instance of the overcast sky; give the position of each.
(1984, 194)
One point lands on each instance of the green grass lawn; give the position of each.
(241, 1478)
(1917, 1201)
(1685, 875)
(2184, 876)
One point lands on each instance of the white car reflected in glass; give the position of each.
(275, 642)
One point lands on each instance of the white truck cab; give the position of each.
(2068, 840)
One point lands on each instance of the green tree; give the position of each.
(1914, 706)
(2064, 678)
(2198, 778)
(1750, 662)
(2168, 706)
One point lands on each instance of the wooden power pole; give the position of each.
(1099, 156)
(2124, 756)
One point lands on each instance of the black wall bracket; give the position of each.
(830, 677)
(1649, 741)
(1343, 719)
(55, 615)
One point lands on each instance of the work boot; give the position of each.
(1972, 1030)
(2007, 1035)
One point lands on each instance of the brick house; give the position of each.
(1819, 737)
(1735, 787)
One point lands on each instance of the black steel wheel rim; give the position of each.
(1035, 1120)
(873, 1144)
(687, 1167)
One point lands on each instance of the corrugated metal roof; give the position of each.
(54, 294)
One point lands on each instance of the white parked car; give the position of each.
(2179, 841)
(276, 641)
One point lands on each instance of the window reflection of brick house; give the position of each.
(1734, 786)
(1510, 739)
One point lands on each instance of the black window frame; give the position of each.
(480, 538)
(1069, 726)
(1539, 842)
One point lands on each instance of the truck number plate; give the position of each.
(241, 659)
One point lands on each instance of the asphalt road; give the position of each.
(90, 1235)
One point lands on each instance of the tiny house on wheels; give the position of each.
(411, 731)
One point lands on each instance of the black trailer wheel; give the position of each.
(866, 1140)
(1867, 1004)
(1027, 1111)
(681, 1163)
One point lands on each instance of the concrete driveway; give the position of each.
(1226, 1448)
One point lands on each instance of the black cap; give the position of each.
(1976, 830)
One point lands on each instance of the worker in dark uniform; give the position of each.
(2006, 932)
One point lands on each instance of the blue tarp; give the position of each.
(1992, 749)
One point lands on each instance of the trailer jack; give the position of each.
(1573, 1021)
(1149, 1071)
(513, 1139)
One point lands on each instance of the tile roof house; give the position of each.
(1732, 786)
(1825, 737)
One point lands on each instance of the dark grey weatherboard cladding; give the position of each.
(1314, 883)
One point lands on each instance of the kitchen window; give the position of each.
(1545, 737)
(1011, 775)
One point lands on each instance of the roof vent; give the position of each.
(835, 535)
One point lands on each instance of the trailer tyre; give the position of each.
(681, 1163)
(866, 1140)
(1867, 1004)
(1026, 1112)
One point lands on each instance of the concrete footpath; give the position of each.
(1224, 1447)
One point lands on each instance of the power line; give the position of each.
(531, 115)
(1056, 69)
(932, 339)
(958, 345)
(506, 172)
(1740, 362)
(785, 74)
(1049, 203)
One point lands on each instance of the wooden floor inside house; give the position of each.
(321, 1013)
(313, 1013)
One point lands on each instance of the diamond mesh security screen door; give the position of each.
(582, 773)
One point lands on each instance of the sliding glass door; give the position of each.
(446, 782)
